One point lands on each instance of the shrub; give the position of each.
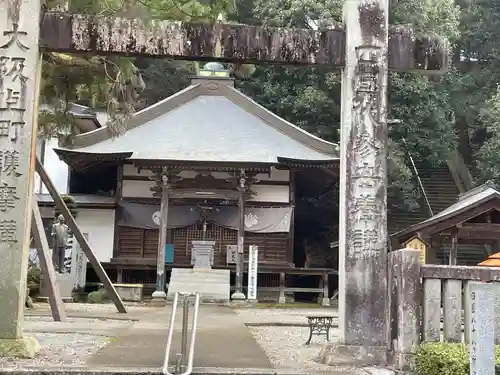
(99, 296)
(70, 203)
(33, 282)
(447, 359)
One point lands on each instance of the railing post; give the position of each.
(405, 270)
(186, 356)
(185, 317)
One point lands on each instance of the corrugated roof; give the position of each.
(222, 125)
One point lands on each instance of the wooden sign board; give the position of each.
(417, 243)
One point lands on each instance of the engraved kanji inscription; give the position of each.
(11, 129)
(366, 170)
(368, 69)
(365, 146)
(12, 67)
(12, 99)
(15, 36)
(363, 243)
(8, 229)
(366, 207)
(7, 197)
(9, 162)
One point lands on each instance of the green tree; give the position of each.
(310, 97)
(114, 83)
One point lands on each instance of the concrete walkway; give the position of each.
(222, 340)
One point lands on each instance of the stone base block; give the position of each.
(338, 354)
(26, 347)
(241, 303)
(159, 299)
(158, 302)
(130, 292)
(212, 285)
(65, 282)
(238, 296)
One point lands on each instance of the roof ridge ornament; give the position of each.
(214, 69)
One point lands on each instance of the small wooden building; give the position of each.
(452, 236)
(207, 136)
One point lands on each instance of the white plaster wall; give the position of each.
(57, 170)
(130, 170)
(271, 193)
(137, 189)
(99, 224)
(263, 193)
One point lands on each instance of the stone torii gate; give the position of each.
(365, 49)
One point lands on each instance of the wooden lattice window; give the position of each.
(178, 233)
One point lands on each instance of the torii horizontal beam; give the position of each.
(84, 33)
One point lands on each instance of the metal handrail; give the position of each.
(181, 356)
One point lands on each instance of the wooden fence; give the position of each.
(434, 303)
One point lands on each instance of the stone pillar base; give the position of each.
(159, 299)
(282, 300)
(26, 347)
(338, 354)
(241, 303)
(238, 296)
(325, 302)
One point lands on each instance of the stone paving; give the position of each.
(96, 335)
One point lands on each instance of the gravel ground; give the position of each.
(66, 349)
(111, 323)
(283, 315)
(59, 350)
(105, 308)
(284, 346)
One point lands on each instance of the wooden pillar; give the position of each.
(159, 295)
(326, 300)
(282, 298)
(118, 198)
(78, 235)
(119, 275)
(48, 270)
(454, 245)
(242, 185)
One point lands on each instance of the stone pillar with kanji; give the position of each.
(363, 188)
(19, 64)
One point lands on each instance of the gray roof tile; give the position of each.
(215, 128)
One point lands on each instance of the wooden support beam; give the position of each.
(70, 220)
(83, 33)
(454, 247)
(48, 271)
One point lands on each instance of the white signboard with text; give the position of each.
(253, 260)
(79, 264)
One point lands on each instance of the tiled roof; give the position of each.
(221, 125)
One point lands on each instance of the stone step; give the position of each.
(212, 285)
